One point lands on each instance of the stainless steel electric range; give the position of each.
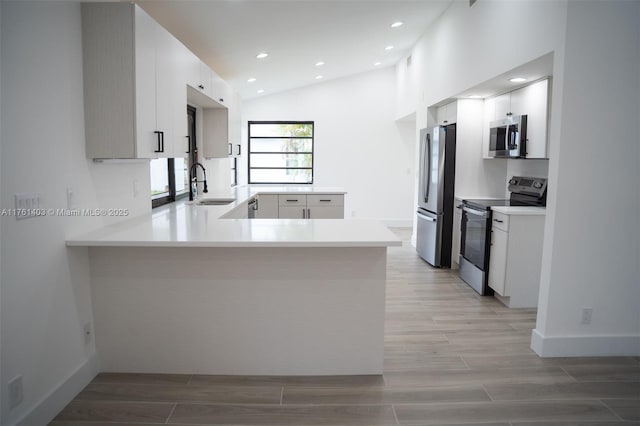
(475, 242)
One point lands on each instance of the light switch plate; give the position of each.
(27, 205)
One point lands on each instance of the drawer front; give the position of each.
(292, 200)
(500, 221)
(319, 200)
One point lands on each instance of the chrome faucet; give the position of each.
(193, 174)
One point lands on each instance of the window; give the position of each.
(169, 180)
(280, 152)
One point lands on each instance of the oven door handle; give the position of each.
(475, 212)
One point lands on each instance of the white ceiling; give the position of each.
(348, 35)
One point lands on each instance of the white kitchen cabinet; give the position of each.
(267, 206)
(489, 116)
(532, 100)
(312, 206)
(447, 114)
(502, 106)
(131, 84)
(516, 258)
(215, 133)
(325, 206)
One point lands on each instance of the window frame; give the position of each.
(249, 152)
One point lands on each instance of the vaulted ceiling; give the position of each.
(348, 36)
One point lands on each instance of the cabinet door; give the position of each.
(235, 122)
(292, 212)
(451, 113)
(206, 80)
(532, 100)
(502, 105)
(498, 261)
(215, 134)
(441, 114)
(145, 96)
(179, 99)
(489, 116)
(331, 212)
(267, 206)
(165, 90)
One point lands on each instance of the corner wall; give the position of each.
(45, 293)
(358, 145)
(592, 235)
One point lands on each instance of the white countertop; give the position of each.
(520, 210)
(189, 225)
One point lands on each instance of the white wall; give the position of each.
(589, 259)
(45, 286)
(358, 145)
(591, 252)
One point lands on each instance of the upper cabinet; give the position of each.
(447, 114)
(532, 100)
(131, 84)
(135, 85)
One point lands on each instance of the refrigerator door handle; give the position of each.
(427, 164)
(432, 219)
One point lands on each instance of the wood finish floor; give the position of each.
(451, 357)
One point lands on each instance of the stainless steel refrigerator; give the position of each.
(436, 194)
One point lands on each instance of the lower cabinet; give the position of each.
(267, 207)
(312, 206)
(295, 206)
(516, 258)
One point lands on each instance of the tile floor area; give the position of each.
(451, 357)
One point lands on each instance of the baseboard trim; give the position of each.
(398, 223)
(584, 346)
(51, 404)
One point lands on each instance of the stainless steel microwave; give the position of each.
(508, 137)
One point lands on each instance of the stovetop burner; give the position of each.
(524, 192)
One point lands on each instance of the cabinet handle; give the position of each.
(160, 136)
(201, 87)
(221, 100)
(445, 122)
(325, 201)
(292, 201)
(239, 149)
(498, 220)
(304, 213)
(509, 114)
(308, 213)
(188, 151)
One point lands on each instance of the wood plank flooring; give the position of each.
(451, 357)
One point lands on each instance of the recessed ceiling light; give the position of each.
(388, 47)
(251, 80)
(260, 90)
(397, 24)
(319, 77)
(518, 80)
(377, 64)
(475, 97)
(319, 64)
(262, 55)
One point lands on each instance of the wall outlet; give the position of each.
(15, 391)
(586, 315)
(88, 332)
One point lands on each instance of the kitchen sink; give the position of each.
(216, 201)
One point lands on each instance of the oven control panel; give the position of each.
(528, 185)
